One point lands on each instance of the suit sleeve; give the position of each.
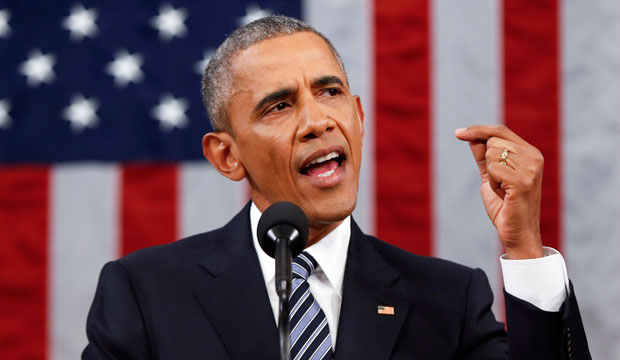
(532, 333)
(537, 334)
(115, 326)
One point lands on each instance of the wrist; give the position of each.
(526, 245)
(525, 252)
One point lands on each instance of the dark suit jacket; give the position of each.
(204, 297)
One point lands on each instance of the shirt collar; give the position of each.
(330, 252)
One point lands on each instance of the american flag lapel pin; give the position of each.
(385, 310)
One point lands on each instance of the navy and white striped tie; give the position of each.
(310, 338)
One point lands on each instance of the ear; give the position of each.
(360, 113)
(217, 148)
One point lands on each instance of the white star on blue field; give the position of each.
(111, 80)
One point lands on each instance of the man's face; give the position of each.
(297, 128)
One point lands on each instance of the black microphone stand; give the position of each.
(283, 289)
(282, 233)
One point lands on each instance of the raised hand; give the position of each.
(511, 184)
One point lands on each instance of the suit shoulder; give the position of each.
(192, 248)
(186, 250)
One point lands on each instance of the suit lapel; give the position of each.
(235, 297)
(363, 333)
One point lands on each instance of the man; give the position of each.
(285, 120)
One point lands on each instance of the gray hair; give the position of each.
(217, 77)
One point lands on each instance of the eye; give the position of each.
(331, 92)
(334, 91)
(277, 108)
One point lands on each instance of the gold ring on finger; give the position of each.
(504, 157)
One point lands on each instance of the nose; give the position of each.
(313, 121)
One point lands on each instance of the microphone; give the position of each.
(282, 234)
(283, 220)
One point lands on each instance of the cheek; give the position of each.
(353, 133)
(267, 159)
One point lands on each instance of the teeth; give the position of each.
(331, 155)
(329, 173)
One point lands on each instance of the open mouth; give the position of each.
(323, 166)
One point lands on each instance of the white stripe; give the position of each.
(307, 261)
(84, 226)
(301, 300)
(312, 337)
(326, 347)
(308, 317)
(467, 90)
(208, 200)
(325, 339)
(299, 270)
(349, 26)
(591, 159)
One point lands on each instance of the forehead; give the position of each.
(283, 60)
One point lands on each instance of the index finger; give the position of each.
(479, 150)
(485, 132)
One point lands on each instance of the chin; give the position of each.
(331, 211)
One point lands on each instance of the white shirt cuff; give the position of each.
(542, 282)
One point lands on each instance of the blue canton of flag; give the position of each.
(110, 80)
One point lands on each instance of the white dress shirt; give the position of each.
(326, 282)
(542, 282)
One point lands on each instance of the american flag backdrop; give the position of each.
(101, 121)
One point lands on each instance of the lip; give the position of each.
(324, 181)
(321, 152)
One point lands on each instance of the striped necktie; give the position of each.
(310, 339)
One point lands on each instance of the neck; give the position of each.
(319, 231)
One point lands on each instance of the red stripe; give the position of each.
(403, 128)
(149, 206)
(24, 196)
(532, 94)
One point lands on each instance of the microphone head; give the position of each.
(283, 220)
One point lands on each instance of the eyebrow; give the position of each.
(284, 93)
(327, 80)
